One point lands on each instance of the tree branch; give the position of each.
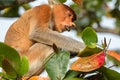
(107, 30)
(23, 1)
(14, 3)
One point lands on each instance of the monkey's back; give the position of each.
(17, 34)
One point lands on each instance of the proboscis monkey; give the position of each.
(34, 33)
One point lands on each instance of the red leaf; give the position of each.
(90, 63)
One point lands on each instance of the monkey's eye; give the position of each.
(69, 15)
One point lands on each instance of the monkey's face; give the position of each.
(63, 17)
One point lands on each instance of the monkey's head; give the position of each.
(63, 17)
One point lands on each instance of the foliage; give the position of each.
(89, 13)
(6, 2)
(90, 63)
(90, 67)
(92, 60)
(9, 9)
(109, 74)
(114, 57)
(92, 12)
(11, 63)
(89, 36)
(57, 66)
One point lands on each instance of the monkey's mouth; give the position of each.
(67, 28)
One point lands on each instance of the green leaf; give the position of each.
(56, 67)
(117, 23)
(11, 55)
(116, 62)
(71, 74)
(89, 37)
(89, 51)
(11, 12)
(1, 58)
(8, 68)
(26, 6)
(60, 1)
(5, 76)
(24, 65)
(110, 74)
(2, 74)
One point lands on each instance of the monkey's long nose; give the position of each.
(73, 25)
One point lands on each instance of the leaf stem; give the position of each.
(113, 66)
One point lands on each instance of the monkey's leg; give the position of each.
(37, 54)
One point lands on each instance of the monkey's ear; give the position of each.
(55, 48)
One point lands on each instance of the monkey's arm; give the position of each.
(49, 37)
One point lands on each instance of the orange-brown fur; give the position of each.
(37, 29)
